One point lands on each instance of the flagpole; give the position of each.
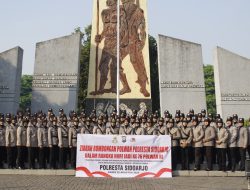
(118, 60)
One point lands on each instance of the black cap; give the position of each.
(50, 110)
(166, 112)
(229, 118)
(217, 116)
(8, 115)
(199, 115)
(195, 118)
(177, 115)
(167, 115)
(178, 112)
(219, 120)
(203, 111)
(61, 110)
(207, 119)
(235, 116)
(241, 120)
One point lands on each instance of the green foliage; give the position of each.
(84, 65)
(26, 89)
(210, 88)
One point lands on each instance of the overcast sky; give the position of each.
(212, 23)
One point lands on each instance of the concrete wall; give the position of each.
(181, 75)
(56, 74)
(10, 79)
(232, 83)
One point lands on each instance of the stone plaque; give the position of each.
(232, 79)
(181, 75)
(10, 79)
(56, 74)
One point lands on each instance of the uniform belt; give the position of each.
(184, 138)
(55, 136)
(74, 138)
(65, 137)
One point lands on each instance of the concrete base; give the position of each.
(107, 105)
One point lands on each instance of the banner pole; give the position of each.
(118, 60)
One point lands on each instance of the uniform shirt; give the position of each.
(198, 135)
(186, 134)
(138, 131)
(10, 135)
(222, 137)
(53, 136)
(143, 125)
(190, 124)
(126, 130)
(32, 140)
(242, 140)
(21, 136)
(162, 130)
(86, 129)
(42, 135)
(175, 134)
(210, 136)
(99, 130)
(112, 130)
(73, 131)
(151, 130)
(2, 136)
(63, 135)
(233, 134)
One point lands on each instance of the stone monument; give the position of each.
(232, 79)
(10, 79)
(134, 56)
(181, 75)
(56, 73)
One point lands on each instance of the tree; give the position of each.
(26, 91)
(210, 88)
(84, 65)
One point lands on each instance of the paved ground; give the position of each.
(22, 182)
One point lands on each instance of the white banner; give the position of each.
(128, 156)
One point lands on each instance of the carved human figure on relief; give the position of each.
(132, 41)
